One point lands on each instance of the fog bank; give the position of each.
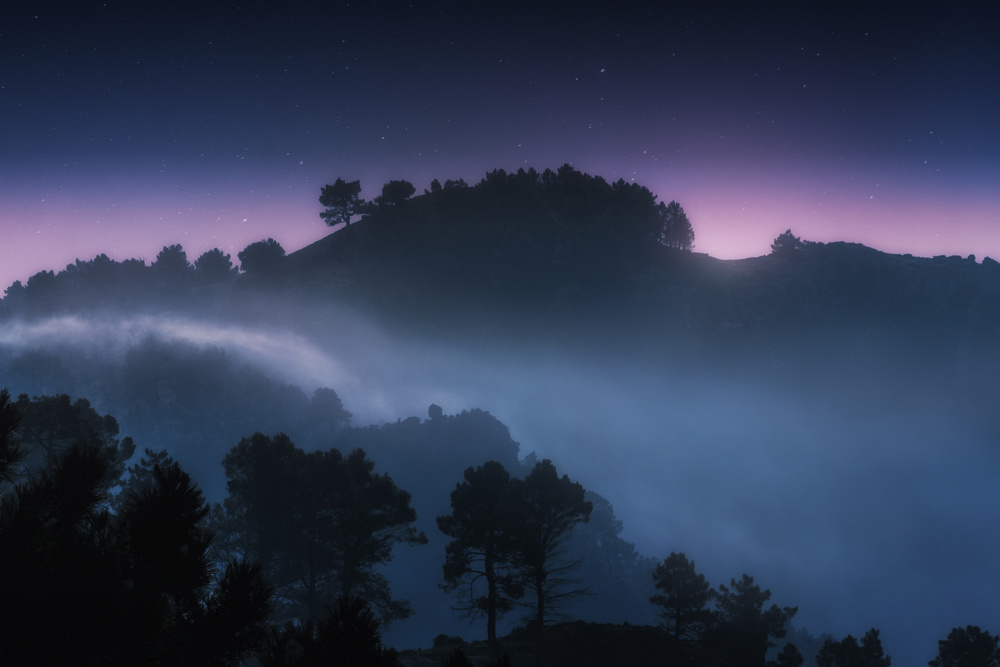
(865, 500)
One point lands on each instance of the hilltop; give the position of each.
(559, 253)
(568, 252)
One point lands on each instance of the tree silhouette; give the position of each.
(253, 521)
(327, 410)
(348, 634)
(374, 515)
(618, 577)
(786, 244)
(125, 588)
(56, 570)
(790, 656)
(744, 626)
(141, 476)
(675, 230)
(177, 616)
(342, 201)
(319, 523)
(10, 448)
(547, 508)
(52, 425)
(967, 647)
(261, 257)
(394, 193)
(849, 653)
(15, 298)
(42, 292)
(685, 595)
(237, 614)
(213, 265)
(479, 559)
(171, 266)
(167, 544)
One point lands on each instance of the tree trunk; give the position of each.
(540, 616)
(491, 605)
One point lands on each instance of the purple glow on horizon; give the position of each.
(876, 127)
(736, 213)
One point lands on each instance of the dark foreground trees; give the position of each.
(10, 447)
(736, 631)
(479, 560)
(50, 426)
(789, 656)
(319, 524)
(849, 652)
(547, 508)
(743, 625)
(89, 581)
(967, 647)
(349, 634)
(134, 587)
(509, 536)
(683, 598)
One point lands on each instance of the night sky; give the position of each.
(126, 128)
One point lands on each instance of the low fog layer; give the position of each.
(864, 494)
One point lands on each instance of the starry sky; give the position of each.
(127, 126)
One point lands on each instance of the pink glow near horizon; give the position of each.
(50, 237)
(737, 218)
(735, 213)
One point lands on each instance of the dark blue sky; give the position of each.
(128, 127)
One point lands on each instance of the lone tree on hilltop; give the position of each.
(342, 200)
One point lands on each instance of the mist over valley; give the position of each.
(822, 418)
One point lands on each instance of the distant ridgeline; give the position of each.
(556, 249)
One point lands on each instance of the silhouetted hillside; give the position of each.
(562, 249)
(535, 244)
(559, 252)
